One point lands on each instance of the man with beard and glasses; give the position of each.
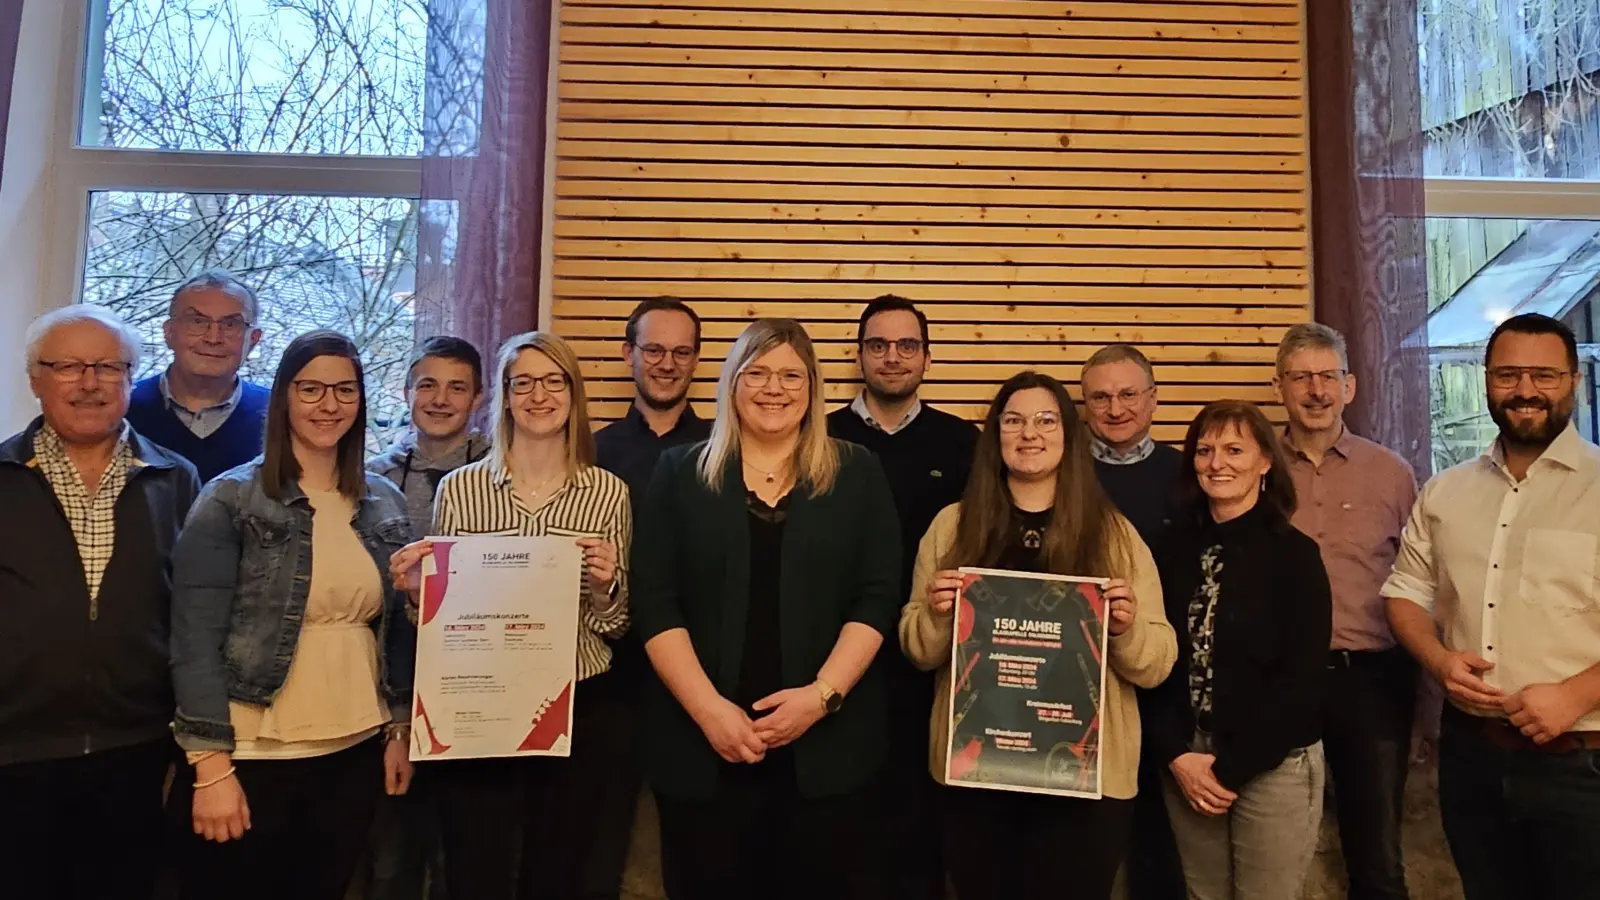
(199, 407)
(661, 344)
(927, 454)
(1354, 497)
(444, 387)
(1494, 592)
(92, 509)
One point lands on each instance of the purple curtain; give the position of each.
(483, 169)
(10, 28)
(1368, 246)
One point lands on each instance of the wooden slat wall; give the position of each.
(1041, 177)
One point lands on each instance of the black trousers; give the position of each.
(1002, 845)
(309, 821)
(759, 838)
(1154, 870)
(1522, 824)
(1366, 735)
(86, 827)
(520, 827)
(615, 797)
(910, 795)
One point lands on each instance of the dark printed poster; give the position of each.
(1028, 679)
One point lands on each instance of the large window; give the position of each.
(1511, 112)
(279, 139)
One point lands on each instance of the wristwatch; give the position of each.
(831, 699)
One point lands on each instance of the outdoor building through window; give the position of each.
(1511, 115)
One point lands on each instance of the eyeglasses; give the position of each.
(1044, 422)
(788, 379)
(199, 325)
(1544, 378)
(1300, 378)
(308, 392)
(554, 383)
(1100, 401)
(654, 353)
(72, 369)
(880, 346)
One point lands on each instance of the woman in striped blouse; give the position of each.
(538, 479)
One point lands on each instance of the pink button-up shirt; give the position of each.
(1355, 505)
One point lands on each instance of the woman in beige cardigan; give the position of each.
(1033, 504)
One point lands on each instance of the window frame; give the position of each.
(80, 170)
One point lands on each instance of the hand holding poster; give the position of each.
(1027, 683)
(497, 638)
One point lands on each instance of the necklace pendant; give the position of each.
(771, 477)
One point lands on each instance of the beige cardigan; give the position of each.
(1141, 656)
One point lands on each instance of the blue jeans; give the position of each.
(1522, 824)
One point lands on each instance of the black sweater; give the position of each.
(927, 463)
(1145, 492)
(1273, 622)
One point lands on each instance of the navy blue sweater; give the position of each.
(237, 442)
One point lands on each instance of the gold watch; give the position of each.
(831, 699)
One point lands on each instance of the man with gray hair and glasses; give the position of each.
(1354, 498)
(91, 510)
(199, 406)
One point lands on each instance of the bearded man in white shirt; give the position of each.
(1495, 593)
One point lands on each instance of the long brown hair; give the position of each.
(1082, 538)
(279, 468)
(1277, 488)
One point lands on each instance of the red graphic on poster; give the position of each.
(550, 722)
(434, 585)
(421, 715)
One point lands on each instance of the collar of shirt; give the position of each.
(225, 406)
(1108, 454)
(859, 407)
(1566, 451)
(636, 419)
(48, 447)
(585, 477)
(1340, 446)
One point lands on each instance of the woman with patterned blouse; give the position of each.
(517, 827)
(1238, 723)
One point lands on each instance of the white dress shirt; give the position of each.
(1508, 568)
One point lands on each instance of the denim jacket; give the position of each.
(241, 574)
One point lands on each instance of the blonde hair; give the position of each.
(816, 458)
(580, 437)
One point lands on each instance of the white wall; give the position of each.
(27, 197)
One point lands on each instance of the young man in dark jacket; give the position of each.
(91, 511)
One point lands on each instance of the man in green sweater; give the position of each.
(927, 454)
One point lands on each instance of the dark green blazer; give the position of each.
(691, 570)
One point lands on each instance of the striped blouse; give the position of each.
(477, 499)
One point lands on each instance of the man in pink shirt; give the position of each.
(1354, 498)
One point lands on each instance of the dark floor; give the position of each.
(1431, 875)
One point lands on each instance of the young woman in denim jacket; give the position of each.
(291, 651)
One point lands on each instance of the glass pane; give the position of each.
(343, 263)
(1510, 90)
(337, 77)
(1482, 272)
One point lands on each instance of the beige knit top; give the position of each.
(1142, 656)
(330, 699)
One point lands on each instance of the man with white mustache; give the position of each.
(1354, 496)
(91, 511)
(927, 454)
(1495, 593)
(661, 345)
